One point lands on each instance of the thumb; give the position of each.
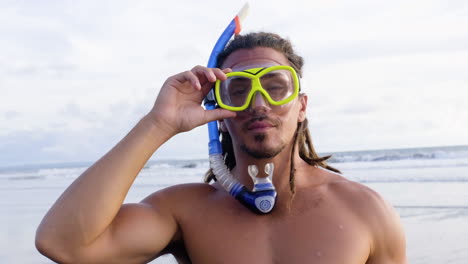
(218, 114)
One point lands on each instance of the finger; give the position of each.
(218, 114)
(204, 72)
(189, 76)
(220, 74)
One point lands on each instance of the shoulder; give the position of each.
(361, 201)
(184, 200)
(181, 195)
(179, 202)
(368, 205)
(381, 220)
(358, 197)
(351, 193)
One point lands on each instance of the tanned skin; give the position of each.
(329, 220)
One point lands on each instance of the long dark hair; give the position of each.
(302, 138)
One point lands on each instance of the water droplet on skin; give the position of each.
(341, 226)
(319, 254)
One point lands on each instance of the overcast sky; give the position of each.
(75, 76)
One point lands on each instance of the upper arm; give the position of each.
(138, 233)
(388, 237)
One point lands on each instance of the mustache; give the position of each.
(261, 117)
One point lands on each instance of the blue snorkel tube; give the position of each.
(262, 198)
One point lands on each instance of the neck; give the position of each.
(281, 173)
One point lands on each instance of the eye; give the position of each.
(272, 87)
(238, 86)
(277, 84)
(238, 90)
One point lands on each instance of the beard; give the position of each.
(263, 152)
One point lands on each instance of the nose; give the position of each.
(259, 102)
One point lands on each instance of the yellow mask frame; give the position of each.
(254, 75)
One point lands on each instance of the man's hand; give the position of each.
(178, 106)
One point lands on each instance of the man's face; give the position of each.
(263, 130)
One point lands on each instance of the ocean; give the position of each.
(427, 186)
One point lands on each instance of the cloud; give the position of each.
(389, 101)
(76, 76)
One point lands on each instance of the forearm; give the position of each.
(90, 204)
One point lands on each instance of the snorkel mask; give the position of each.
(262, 198)
(279, 85)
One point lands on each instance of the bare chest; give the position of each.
(320, 234)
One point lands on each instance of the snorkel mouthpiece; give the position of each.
(261, 199)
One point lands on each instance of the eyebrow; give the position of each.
(271, 75)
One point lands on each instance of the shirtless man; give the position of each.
(319, 217)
